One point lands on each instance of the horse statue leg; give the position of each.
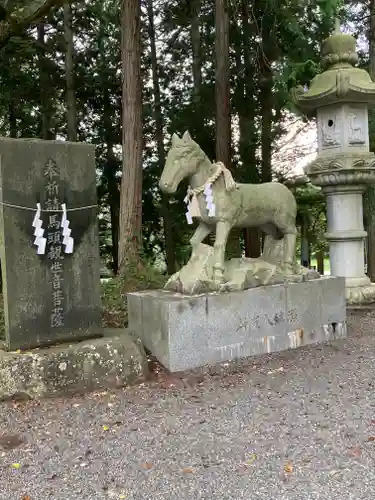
(290, 250)
(201, 232)
(222, 232)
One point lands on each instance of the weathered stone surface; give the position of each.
(56, 296)
(109, 362)
(185, 332)
(239, 274)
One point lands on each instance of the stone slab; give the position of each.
(109, 362)
(52, 297)
(185, 332)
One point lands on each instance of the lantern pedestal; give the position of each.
(346, 234)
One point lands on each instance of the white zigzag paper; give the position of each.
(39, 241)
(68, 241)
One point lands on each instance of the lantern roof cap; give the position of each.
(340, 81)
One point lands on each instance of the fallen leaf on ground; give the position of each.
(371, 438)
(187, 470)
(105, 428)
(26, 497)
(334, 472)
(288, 467)
(147, 465)
(252, 458)
(355, 451)
(16, 466)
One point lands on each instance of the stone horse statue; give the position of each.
(219, 203)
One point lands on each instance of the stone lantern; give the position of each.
(344, 166)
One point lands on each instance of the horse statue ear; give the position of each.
(186, 137)
(175, 139)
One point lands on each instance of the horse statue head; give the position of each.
(182, 161)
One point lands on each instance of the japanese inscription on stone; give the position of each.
(55, 253)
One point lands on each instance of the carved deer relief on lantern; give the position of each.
(342, 128)
(329, 133)
(357, 121)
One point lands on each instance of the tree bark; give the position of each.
(69, 74)
(266, 99)
(266, 54)
(130, 241)
(110, 174)
(195, 35)
(369, 199)
(22, 16)
(320, 262)
(246, 112)
(305, 243)
(45, 89)
(222, 90)
(12, 113)
(222, 93)
(159, 136)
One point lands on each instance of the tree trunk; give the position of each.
(266, 99)
(369, 199)
(305, 244)
(222, 91)
(159, 136)
(267, 51)
(69, 74)
(246, 112)
(114, 206)
(195, 35)
(12, 114)
(45, 89)
(320, 262)
(223, 131)
(110, 174)
(130, 241)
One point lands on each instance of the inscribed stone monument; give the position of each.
(49, 242)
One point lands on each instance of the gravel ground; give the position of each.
(299, 425)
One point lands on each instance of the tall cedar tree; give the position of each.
(70, 98)
(159, 137)
(222, 91)
(370, 195)
(130, 239)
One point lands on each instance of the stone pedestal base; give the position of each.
(185, 332)
(357, 295)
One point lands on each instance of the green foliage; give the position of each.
(114, 292)
(312, 205)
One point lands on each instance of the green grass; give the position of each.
(115, 314)
(327, 268)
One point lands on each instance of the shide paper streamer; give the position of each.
(39, 241)
(68, 241)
